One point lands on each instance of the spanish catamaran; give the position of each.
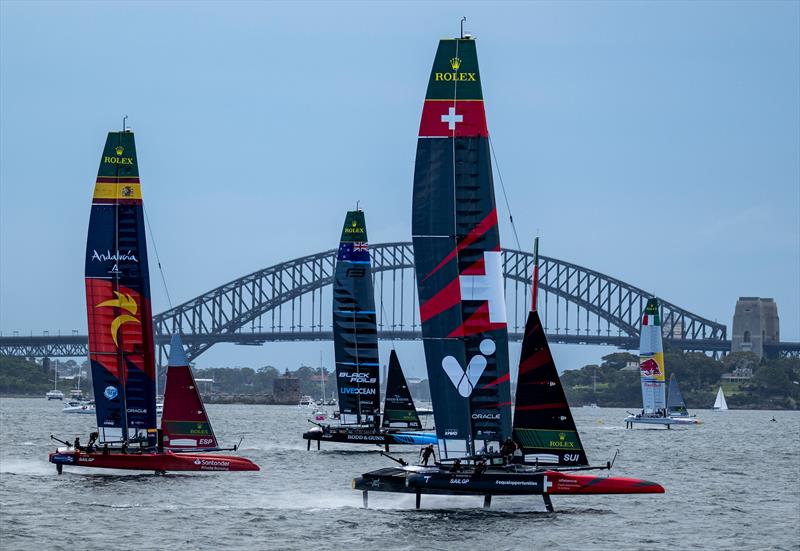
(121, 346)
(355, 340)
(462, 308)
(655, 410)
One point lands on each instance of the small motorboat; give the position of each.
(80, 406)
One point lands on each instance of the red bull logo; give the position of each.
(650, 368)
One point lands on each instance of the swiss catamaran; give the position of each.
(656, 410)
(121, 346)
(355, 340)
(463, 313)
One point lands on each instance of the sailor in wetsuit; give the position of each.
(507, 450)
(480, 466)
(456, 466)
(93, 436)
(426, 453)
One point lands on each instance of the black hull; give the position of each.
(496, 482)
(442, 482)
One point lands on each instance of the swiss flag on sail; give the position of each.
(453, 118)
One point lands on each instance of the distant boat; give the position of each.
(55, 394)
(655, 410)
(80, 406)
(306, 401)
(720, 403)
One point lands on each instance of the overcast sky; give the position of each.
(658, 143)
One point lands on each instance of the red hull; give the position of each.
(166, 461)
(567, 483)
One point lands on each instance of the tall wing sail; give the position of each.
(651, 359)
(184, 422)
(398, 406)
(355, 335)
(458, 261)
(543, 425)
(675, 403)
(118, 299)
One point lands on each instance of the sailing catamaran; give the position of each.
(463, 313)
(121, 346)
(720, 404)
(655, 410)
(55, 394)
(355, 341)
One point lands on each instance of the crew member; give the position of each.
(480, 466)
(426, 453)
(93, 436)
(507, 449)
(77, 445)
(456, 466)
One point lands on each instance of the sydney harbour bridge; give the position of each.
(291, 301)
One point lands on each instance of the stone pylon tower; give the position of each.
(755, 323)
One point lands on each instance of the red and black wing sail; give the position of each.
(543, 425)
(355, 333)
(118, 297)
(458, 259)
(398, 406)
(184, 422)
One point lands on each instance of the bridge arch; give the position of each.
(287, 302)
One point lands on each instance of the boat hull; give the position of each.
(344, 435)
(424, 480)
(162, 462)
(662, 421)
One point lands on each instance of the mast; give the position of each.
(458, 260)
(355, 334)
(121, 347)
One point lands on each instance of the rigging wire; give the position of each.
(505, 196)
(383, 311)
(158, 260)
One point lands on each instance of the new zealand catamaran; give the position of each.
(121, 346)
(463, 313)
(356, 349)
(655, 410)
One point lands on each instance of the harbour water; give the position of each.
(732, 483)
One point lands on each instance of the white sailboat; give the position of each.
(720, 403)
(55, 394)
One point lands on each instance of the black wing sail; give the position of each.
(398, 406)
(458, 261)
(543, 425)
(675, 403)
(355, 335)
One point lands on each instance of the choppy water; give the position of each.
(732, 483)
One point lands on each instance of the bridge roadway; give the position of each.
(73, 346)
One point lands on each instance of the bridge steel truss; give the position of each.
(290, 301)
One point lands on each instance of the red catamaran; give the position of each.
(121, 345)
